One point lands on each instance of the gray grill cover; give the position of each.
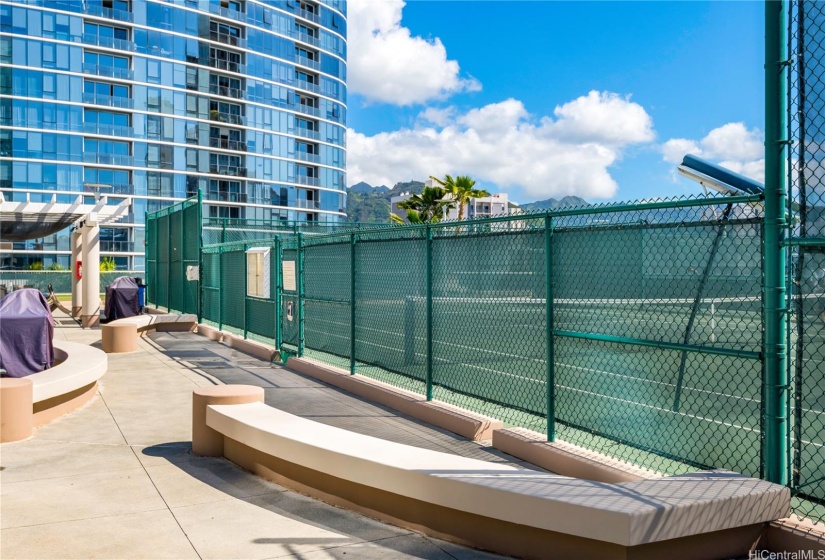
(26, 333)
(122, 299)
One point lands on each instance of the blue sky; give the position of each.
(514, 79)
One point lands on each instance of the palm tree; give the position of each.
(426, 207)
(461, 189)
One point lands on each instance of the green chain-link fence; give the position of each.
(637, 330)
(173, 255)
(807, 255)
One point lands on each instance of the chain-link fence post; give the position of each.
(169, 265)
(353, 240)
(775, 381)
(300, 273)
(220, 290)
(200, 255)
(279, 289)
(429, 296)
(245, 292)
(223, 230)
(549, 327)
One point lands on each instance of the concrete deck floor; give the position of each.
(116, 479)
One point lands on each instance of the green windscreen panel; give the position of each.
(694, 284)
(489, 339)
(211, 287)
(163, 264)
(327, 295)
(390, 323)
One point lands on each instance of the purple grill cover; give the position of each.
(122, 299)
(26, 333)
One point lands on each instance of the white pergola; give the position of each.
(23, 220)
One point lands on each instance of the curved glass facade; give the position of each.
(242, 99)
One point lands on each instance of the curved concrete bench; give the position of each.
(121, 334)
(54, 392)
(499, 507)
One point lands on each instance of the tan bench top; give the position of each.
(81, 365)
(148, 320)
(628, 513)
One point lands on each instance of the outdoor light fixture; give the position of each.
(715, 177)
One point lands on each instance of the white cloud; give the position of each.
(501, 143)
(386, 63)
(603, 117)
(732, 145)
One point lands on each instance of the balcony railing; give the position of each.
(227, 13)
(117, 246)
(111, 188)
(109, 130)
(304, 61)
(303, 156)
(109, 71)
(306, 109)
(108, 159)
(311, 16)
(303, 180)
(227, 65)
(227, 118)
(226, 91)
(111, 42)
(231, 170)
(314, 134)
(311, 204)
(308, 86)
(108, 100)
(227, 144)
(227, 39)
(304, 37)
(109, 13)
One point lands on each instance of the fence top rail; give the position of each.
(537, 218)
(182, 205)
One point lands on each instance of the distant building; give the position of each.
(493, 205)
(244, 100)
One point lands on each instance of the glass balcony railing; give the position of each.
(231, 170)
(227, 39)
(108, 100)
(306, 109)
(227, 118)
(111, 188)
(110, 71)
(227, 144)
(304, 180)
(305, 133)
(117, 246)
(227, 13)
(226, 91)
(109, 13)
(108, 129)
(303, 156)
(307, 86)
(310, 204)
(110, 159)
(304, 38)
(304, 61)
(228, 65)
(311, 16)
(111, 42)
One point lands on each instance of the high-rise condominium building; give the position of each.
(242, 99)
